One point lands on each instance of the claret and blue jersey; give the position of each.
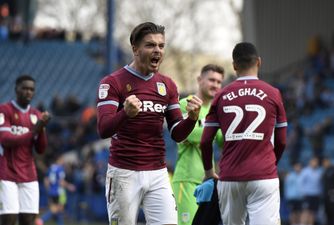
(138, 143)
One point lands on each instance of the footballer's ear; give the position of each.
(199, 78)
(259, 61)
(134, 50)
(234, 66)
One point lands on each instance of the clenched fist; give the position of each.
(193, 107)
(132, 106)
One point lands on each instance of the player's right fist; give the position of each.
(132, 106)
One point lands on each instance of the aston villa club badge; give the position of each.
(33, 118)
(161, 88)
(2, 118)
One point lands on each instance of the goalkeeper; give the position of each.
(189, 171)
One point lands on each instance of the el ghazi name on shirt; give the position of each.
(245, 92)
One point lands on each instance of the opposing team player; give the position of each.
(132, 105)
(21, 132)
(252, 118)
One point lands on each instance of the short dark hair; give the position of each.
(22, 78)
(212, 67)
(244, 55)
(139, 32)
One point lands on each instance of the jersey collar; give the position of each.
(247, 78)
(14, 103)
(138, 74)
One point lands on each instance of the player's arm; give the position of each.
(280, 129)
(279, 142)
(193, 137)
(219, 139)
(207, 139)
(11, 140)
(40, 133)
(209, 133)
(41, 142)
(110, 114)
(109, 120)
(183, 127)
(7, 137)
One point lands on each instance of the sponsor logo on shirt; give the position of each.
(103, 90)
(19, 130)
(149, 106)
(161, 88)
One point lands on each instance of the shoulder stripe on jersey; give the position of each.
(171, 129)
(211, 125)
(138, 74)
(281, 124)
(5, 129)
(110, 102)
(174, 106)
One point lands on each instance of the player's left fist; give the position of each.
(193, 107)
(45, 118)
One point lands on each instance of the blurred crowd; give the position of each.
(307, 187)
(72, 133)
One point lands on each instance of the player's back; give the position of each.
(248, 110)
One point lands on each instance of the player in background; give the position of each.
(21, 133)
(251, 115)
(131, 107)
(189, 170)
(56, 187)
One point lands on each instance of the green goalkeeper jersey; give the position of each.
(189, 165)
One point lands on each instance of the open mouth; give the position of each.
(155, 60)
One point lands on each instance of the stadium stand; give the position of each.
(60, 68)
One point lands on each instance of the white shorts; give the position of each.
(126, 190)
(260, 199)
(18, 198)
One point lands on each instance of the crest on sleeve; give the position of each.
(103, 91)
(161, 88)
(33, 118)
(2, 118)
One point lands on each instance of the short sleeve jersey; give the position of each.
(17, 163)
(247, 111)
(138, 144)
